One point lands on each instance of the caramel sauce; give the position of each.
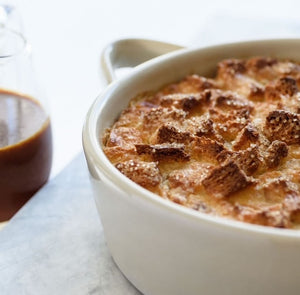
(25, 150)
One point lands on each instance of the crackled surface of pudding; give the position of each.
(228, 146)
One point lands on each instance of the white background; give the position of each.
(67, 37)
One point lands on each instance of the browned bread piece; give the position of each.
(283, 125)
(225, 180)
(145, 174)
(163, 152)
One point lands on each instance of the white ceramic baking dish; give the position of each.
(164, 248)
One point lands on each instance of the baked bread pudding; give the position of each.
(227, 146)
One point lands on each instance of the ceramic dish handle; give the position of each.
(128, 53)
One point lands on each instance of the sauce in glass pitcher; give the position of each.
(25, 150)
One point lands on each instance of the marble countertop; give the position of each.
(55, 244)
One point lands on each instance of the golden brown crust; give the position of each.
(284, 126)
(275, 152)
(190, 178)
(168, 133)
(229, 124)
(203, 146)
(249, 135)
(144, 173)
(185, 102)
(227, 146)
(163, 152)
(227, 100)
(248, 160)
(191, 84)
(123, 136)
(284, 86)
(225, 180)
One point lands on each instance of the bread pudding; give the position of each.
(227, 146)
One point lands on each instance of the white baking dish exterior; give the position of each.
(164, 248)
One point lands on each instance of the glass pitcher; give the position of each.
(25, 129)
